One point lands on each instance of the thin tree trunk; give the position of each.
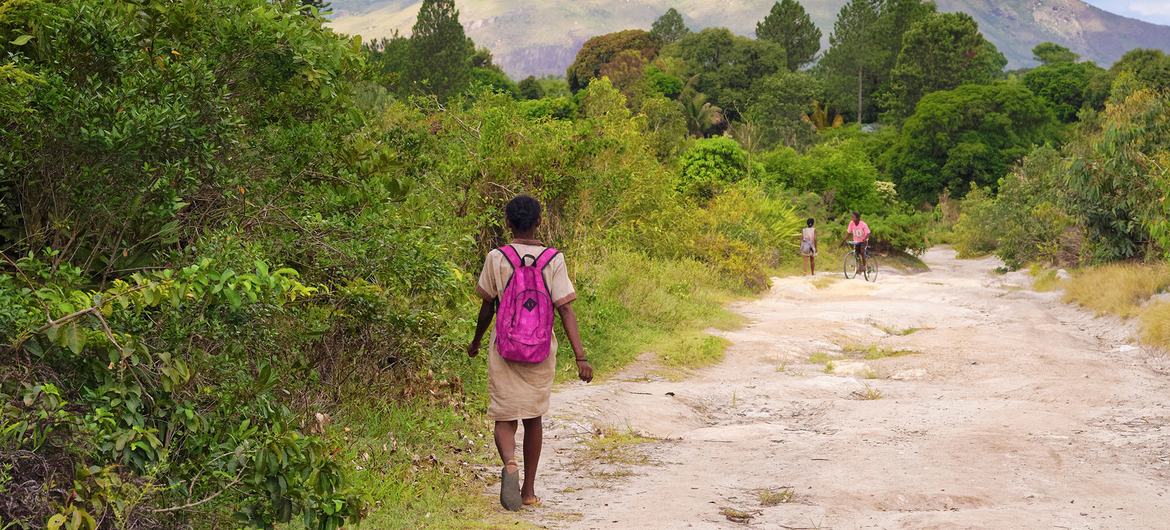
(860, 110)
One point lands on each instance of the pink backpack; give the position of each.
(524, 319)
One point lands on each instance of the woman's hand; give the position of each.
(584, 370)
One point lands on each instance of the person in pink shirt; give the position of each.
(860, 232)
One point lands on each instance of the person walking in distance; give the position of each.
(808, 247)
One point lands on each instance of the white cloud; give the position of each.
(1151, 8)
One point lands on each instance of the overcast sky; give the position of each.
(1156, 11)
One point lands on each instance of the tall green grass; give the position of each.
(629, 304)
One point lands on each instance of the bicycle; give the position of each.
(851, 264)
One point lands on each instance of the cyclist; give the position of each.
(860, 232)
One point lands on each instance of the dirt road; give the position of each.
(1003, 408)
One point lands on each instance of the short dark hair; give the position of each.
(857, 214)
(522, 212)
(811, 222)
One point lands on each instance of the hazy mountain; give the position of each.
(542, 36)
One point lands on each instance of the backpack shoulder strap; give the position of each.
(546, 257)
(512, 256)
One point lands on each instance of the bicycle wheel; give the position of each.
(850, 265)
(871, 268)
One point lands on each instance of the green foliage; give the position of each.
(940, 52)
(701, 115)
(666, 126)
(440, 51)
(1047, 53)
(493, 79)
(662, 83)
(669, 27)
(972, 134)
(530, 88)
(840, 171)
(1064, 85)
(788, 25)
(1119, 177)
(779, 107)
(599, 51)
(725, 65)
(124, 136)
(850, 65)
(710, 165)
(1149, 68)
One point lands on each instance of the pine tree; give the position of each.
(670, 27)
(851, 62)
(441, 52)
(940, 52)
(790, 26)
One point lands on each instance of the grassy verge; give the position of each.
(629, 304)
(1044, 279)
(1125, 290)
(1117, 289)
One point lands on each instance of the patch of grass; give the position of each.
(611, 446)
(899, 332)
(417, 463)
(870, 373)
(1155, 325)
(693, 350)
(1117, 289)
(868, 394)
(903, 262)
(822, 282)
(775, 496)
(874, 352)
(820, 358)
(736, 516)
(1044, 279)
(830, 367)
(628, 304)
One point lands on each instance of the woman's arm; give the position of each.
(569, 321)
(487, 310)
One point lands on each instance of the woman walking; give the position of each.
(808, 247)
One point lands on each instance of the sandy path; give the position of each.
(1018, 412)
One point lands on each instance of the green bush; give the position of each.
(710, 165)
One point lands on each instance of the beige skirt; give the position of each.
(519, 391)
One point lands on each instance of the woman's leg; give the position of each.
(533, 439)
(506, 440)
(806, 264)
(812, 265)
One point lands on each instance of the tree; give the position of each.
(699, 113)
(940, 52)
(440, 50)
(781, 102)
(724, 65)
(1052, 53)
(1064, 85)
(393, 57)
(530, 88)
(850, 64)
(790, 26)
(972, 134)
(710, 165)
(1150, 68)
(602, 49)
(669, 27)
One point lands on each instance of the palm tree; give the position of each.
(701, 114)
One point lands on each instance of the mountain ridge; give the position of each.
(541, 37)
